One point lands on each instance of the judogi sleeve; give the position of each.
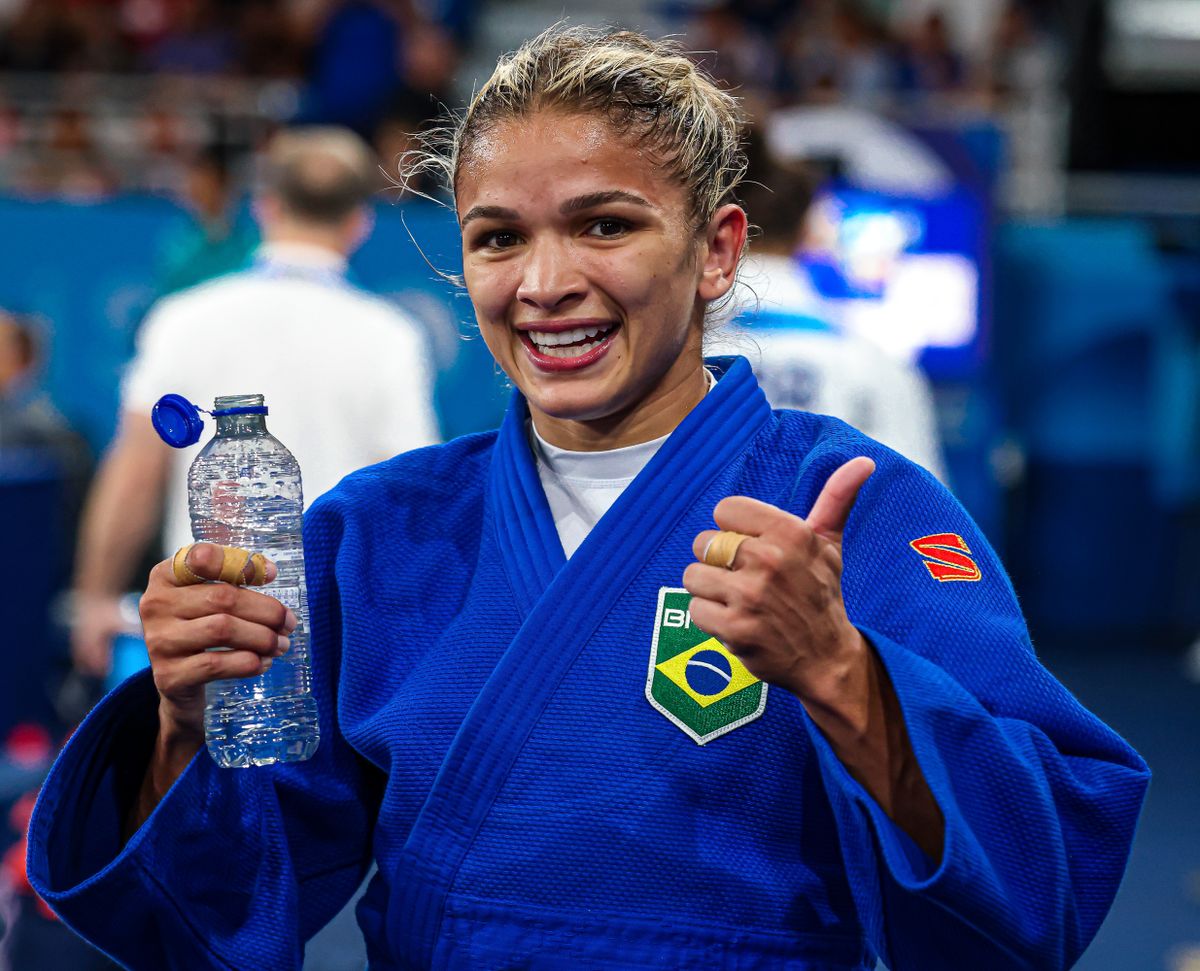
(236, 867)
(1040, 798)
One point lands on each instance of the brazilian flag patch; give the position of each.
(694, 679)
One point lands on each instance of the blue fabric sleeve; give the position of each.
(235, 868)
(1040, 798)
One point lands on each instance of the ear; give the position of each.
(725, 238)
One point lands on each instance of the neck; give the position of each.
(318, 236)
(655, 416)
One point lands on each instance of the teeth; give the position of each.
(565, 352)
(545, 338)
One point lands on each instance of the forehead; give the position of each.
(549, 156)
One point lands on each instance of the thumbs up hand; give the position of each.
(778, 604)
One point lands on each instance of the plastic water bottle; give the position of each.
(244, 490)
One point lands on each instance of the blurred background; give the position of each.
(1002, 197)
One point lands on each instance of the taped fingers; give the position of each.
(259, 576)
(718, 547)
(200, 562)
(236, 567)
(722, 549)
(179, 566)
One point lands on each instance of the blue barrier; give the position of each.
(1094, 352)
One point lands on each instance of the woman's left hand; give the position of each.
(779, 606)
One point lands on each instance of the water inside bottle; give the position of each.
(245, 490)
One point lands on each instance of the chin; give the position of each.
(574, 405)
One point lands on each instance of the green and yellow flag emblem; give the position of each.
(693, 679)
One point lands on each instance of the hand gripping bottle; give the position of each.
(244, 490)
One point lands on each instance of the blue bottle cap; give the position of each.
(177, 421)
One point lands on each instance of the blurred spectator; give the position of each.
(196, 41)
(10, 125)
(873, 55)
(735, 44)
(457, 16)
(269, 40)
(292, 328)
(839, 53)
(162, 140)
(143, 22)
(355, 61)
(430, 59)
(408, 113)
(1022, 61)
(379, 67)
(803, 359)
(866, 72)
(930, 64)
(57, 35)
(71, 164)
(217, 242)
(30, 425)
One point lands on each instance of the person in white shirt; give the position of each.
(345, 374)
(801, 356)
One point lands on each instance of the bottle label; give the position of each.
(288, 596)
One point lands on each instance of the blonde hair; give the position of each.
(649, 90)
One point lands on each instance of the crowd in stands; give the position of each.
(876, 56)
(99, 96)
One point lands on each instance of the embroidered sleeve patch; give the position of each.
(945, 557)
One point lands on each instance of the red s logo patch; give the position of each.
(945, 557)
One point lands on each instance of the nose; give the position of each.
(550, 279)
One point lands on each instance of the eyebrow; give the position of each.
(488, 212)
(577, 204)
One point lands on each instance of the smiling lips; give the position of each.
(570, 349)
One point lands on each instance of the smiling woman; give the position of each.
(574, 725)
(589, 283)
(593, 176)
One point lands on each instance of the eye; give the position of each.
(608, 228)
(502, 239)
(496, 239)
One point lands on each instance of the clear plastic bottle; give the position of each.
(244, 490)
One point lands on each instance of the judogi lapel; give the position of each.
(496, 726)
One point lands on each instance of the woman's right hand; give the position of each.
(182, 620)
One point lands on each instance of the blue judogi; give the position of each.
(487, 738)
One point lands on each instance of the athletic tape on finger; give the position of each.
(722, 548)
(234, 561)
(183, 574)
